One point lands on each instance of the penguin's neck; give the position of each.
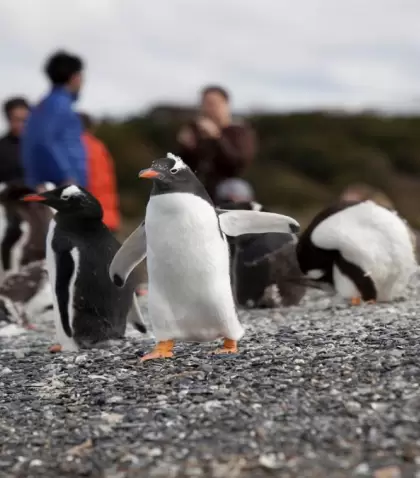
(81, 223)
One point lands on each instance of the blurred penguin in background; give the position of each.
(260, 262)
(23, 227)
(363, 192)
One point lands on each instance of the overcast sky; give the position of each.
(277, 54)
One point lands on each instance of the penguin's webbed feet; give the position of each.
(162, 350)
(55, 348)
(229, 347)
(358, 301)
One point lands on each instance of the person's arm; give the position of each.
(235, 151)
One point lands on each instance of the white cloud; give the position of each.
(272, 53)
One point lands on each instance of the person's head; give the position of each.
(65, 69)
(16, 111)
(87, 122)
(215, 104)
(235, 190)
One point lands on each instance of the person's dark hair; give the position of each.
(61, 66)
(86, 120)
(215, 89)
(12, 103)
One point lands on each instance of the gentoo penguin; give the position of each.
(190, 294)
(23, 227)
(364, 250)
(88, 307)
(257, 271)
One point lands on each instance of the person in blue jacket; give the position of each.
(52, 147)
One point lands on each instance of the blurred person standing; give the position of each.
(52, 147)
(214, 146)
(16, 111)
(101, 181)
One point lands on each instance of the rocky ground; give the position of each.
(319, 390)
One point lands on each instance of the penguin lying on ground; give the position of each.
(364, 250)
(190, 293)
(25, 293)
(23, 227)
(88, 307)
(254, 278)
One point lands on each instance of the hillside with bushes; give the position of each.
(304, 159)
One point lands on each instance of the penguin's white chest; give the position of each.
(190, 295)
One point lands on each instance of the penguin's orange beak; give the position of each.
(33, 198)
(148, 173)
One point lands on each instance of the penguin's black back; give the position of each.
(100, 308)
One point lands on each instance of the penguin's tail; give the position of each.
(135, 316)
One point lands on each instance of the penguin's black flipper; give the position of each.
(130, 254)
(65, 268)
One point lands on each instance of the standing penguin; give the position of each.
(88, 307)
(190, 294)
(364, 250)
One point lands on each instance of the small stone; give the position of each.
(271, 461)
(80, 359)
(362, 469)
(34, 463)
(6, 371)
(388, 472)
(353, 407)
(115, 399)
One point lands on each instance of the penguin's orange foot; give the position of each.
(162, 350)
(229, 347)
(55, 349)
(30, 327)
(356, 301)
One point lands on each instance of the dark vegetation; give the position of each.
(304, 159)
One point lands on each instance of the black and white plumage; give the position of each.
(88, 307)
(23, 227)
(364, 250)
(261, 261)
(190, 294)
(25, 294)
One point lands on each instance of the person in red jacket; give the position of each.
(101, 181)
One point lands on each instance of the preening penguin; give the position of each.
(190, 294)
(88, 307)
(364, 250)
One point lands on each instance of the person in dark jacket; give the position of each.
(52, 146)
(16, 112)
(213, 145)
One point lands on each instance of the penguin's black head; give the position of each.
(70, 201)
(168, 173)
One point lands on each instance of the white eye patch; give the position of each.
(179, 164)
(70, 191)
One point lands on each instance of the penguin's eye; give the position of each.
(65, 197)
(174, 170)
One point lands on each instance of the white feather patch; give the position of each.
(70, 191)
(179, 164)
